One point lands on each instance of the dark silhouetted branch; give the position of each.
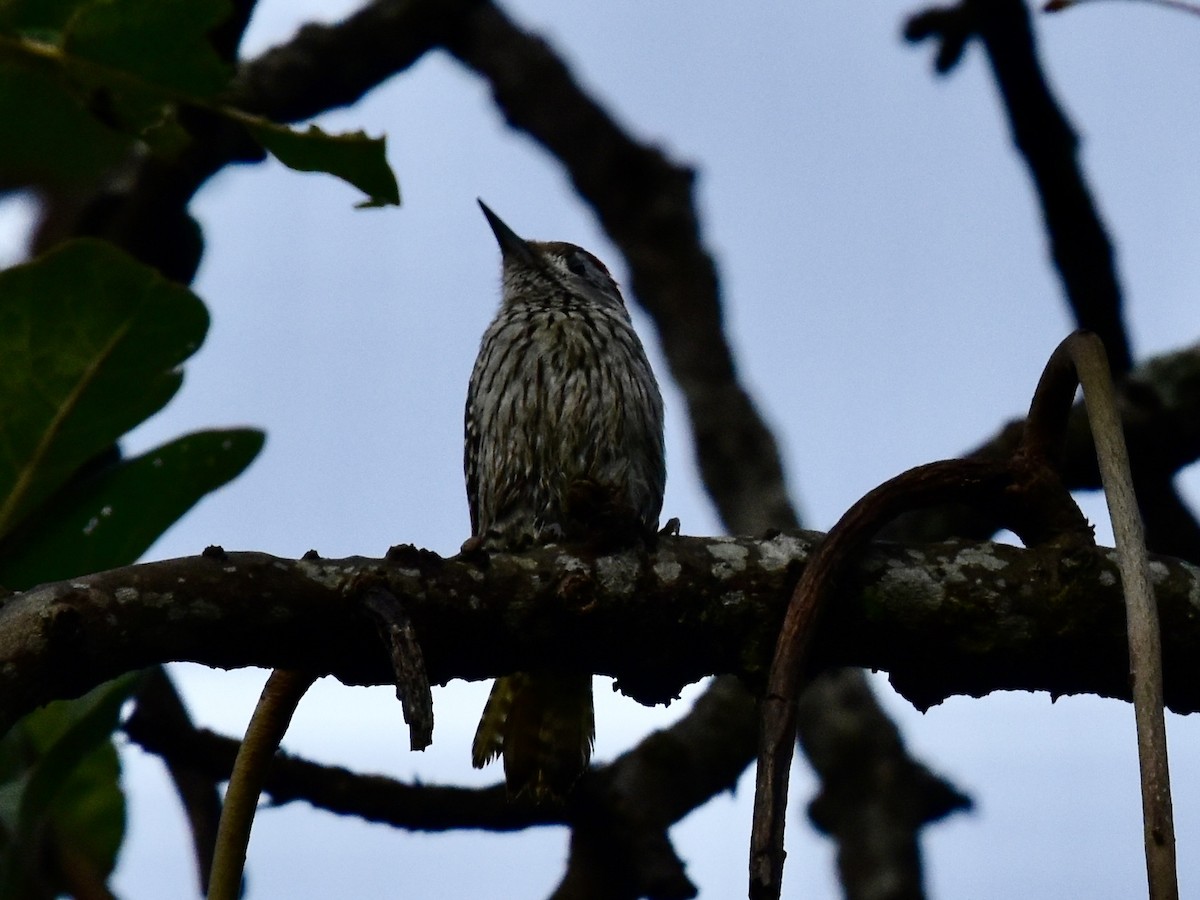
(941, 619)
(159, 704)
(1079, 242)
(874, 800)
(1160, 408)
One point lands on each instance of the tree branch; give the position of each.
(941, 619)
(324, 67)
(688, 764)
(320, 68)
(157, 702)
(875, 799)
(1049, 145)
(1160, 413)
(374, 798)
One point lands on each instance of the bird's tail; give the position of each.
(543, 726)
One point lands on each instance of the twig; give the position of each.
(1179, 5)
(408, 662)
(1145, 646)
(922, 486)
(160, 710)
(282, 693)
(1047, 142)
(874, 798)
(1024, 492)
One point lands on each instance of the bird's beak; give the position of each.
(512, 245)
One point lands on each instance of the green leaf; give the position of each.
(62, 734)
(90, 345)
(112, 518)
(45, 18)
(133, 61)
(108, 68)
(162, 43)
(60, 790)
(354, 158)
(132, 64)
(49, 137)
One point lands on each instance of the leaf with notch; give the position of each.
(354, 158)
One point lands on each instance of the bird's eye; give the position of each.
(576, 265)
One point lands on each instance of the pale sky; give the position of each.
(888, 292)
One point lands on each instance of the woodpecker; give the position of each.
(564, 437)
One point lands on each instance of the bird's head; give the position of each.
(550, 273)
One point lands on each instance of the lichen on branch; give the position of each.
(941, 619)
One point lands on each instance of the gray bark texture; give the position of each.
(941, 619)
